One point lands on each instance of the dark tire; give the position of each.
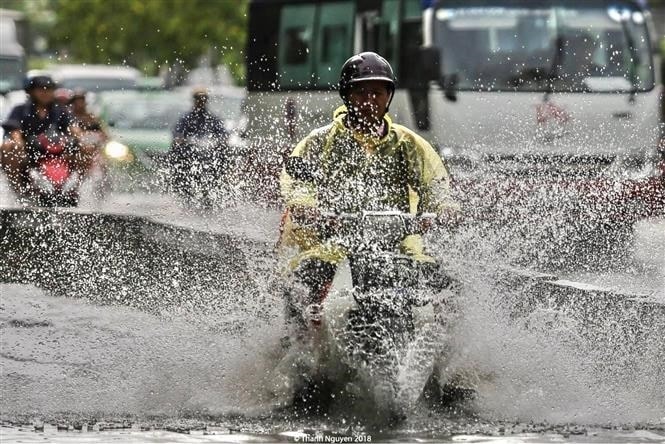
(315, 398)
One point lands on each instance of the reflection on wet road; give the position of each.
(644, 274)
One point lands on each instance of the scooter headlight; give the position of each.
(116, 150)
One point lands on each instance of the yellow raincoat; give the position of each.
(357, 172)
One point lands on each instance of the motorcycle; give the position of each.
(52, 179)
(379, 340)
(198, 167)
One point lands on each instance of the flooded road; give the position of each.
(192, 362)
(643, 272)
(67, 362)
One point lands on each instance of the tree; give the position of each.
(150, 34)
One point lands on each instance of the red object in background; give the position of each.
(49, 146)
(56, 170)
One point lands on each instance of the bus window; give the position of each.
(315, 38)
(412, 10)
(536, 47)
(335, 33)
(296, 35)
(334, 43)
(297, 46)
(399, 20)
(388, 33)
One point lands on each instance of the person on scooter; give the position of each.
(199, 121)
(32, 118)
(362, 161)
(63, 97)
(86, 120)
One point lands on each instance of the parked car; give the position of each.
(142, 121)
(95, 78)
(151, 83)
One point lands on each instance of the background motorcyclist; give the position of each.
(362, 161)
(86, 120)
(199, 152)
(30, 119)
(199, 121)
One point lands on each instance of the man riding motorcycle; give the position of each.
(37, 116)
(198, 121)
(198, 137)
(362, 161)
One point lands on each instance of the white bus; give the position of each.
(525, 99)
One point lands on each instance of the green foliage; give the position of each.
(38, 63)
(152, 33)
(17, 5)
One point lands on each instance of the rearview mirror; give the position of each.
(427, 61)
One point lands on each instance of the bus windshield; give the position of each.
(533, 46)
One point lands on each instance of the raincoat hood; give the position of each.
(358, 171)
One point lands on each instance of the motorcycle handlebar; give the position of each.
(333, 223)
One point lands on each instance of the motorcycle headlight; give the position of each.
(116, 150)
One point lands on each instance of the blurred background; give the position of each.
(164, 38)
(147, 53)
(137, 63)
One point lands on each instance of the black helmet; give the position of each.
(363, 67)
(40, 81)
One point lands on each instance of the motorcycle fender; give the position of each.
(336, 308)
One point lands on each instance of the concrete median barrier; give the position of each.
(136, 261)
(125, 260)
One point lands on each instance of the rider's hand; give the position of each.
(426, 223)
